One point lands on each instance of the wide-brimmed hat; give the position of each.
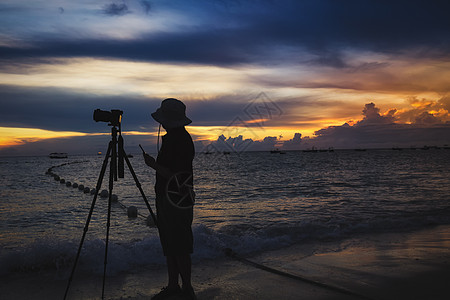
(171, 114)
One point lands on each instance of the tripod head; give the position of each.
(114, 119)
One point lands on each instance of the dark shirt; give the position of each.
(177, 153)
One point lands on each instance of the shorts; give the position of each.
(175, 228)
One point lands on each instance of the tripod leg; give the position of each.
(88, 220)
(139, 187)
(108, 225)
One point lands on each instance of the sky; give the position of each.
(254, 75)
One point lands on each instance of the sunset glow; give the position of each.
(267, 81)
(10, 136)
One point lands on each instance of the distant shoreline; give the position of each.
(138, 154)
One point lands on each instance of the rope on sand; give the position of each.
(230, 253)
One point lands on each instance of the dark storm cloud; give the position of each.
(65, 110)
(378, 25)
(114, 9)
(188, 48)
(217, 111)
(61, 110)
(322, 27)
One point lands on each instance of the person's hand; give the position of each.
(149, 160)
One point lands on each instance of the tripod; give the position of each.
(117, 155)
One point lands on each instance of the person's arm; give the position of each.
(151, 162)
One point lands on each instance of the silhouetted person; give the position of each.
(174, 224)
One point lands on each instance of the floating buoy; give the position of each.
(132, 212)
(81, 187)
(104, 194)
(62, 181)
(150, 221)
(68, 183)
(86, 190)
(114, 198)
(75, 185)
(56, 177)
(93, 191)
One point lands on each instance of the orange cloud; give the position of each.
(12, 136)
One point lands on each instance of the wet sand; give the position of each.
(413, 265)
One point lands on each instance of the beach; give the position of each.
(338, 225)
(406, 265)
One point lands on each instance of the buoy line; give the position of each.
(230, 253)
(133, 214)
(81, 187)
(132, 211)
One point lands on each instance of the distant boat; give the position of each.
(430, 147)
(130, 155)
(58, 155)
(226, 152)
(397, 148)
(360, 149)
(313, 149)
(276, 150)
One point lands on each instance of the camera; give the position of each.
(114, 117)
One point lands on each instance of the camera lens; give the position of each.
(102, 115)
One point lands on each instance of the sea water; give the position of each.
(251, 202)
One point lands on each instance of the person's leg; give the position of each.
(184, 268)
(173, 271)
(172, 288)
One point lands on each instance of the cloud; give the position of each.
(378, 131)
(217, 111)
(293, 144)
(426, 118)
(372, 116)
(239, 144)
(374, 130)
(423, 109)
(114, 9)
(66, 110)
(259, 32)
(146, 6)
(61, 109)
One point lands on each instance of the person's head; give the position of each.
(171, 114)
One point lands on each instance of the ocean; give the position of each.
(251, 202)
